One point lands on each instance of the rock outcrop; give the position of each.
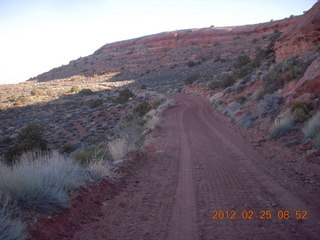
(310, 82)
(301, 36)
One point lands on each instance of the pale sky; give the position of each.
(38, 35)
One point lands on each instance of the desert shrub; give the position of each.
(88, 155)
(246, 120)
(123, 96)
(41, 183)
(241, 61)
(119, 148)
(86, 92)
(37, 92)
(281, 128)
(281, 73)
(312, 127)
(191, 78)
(191, 64)
(215, 102)
(241, 99)
(142, 108)
(30, 138)
(96, 103)
(269, 105)
(226, 80)
(143, 86)
(216, 44)
(153, 117)
(11, 227)
(273, 38)
(300, 110)
(258, 95)
(75, 89)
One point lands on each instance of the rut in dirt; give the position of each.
(200, 165)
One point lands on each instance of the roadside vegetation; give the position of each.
(38, 179)
(251, 108)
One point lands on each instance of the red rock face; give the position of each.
(301, 36)
(310, 82)
(167, 49)
(176, 48)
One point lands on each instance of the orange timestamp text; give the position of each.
(262, 214)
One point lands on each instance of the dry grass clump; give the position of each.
(11, 226)
(282, 127)
(312, 127)
(41, 182)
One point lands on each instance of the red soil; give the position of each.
(195, 165)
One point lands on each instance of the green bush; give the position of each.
(86, 156)
(242, 61)
(300, 110)
(142, 108)
(143, 86)
(86, 92)
(227, 80)
(30, 138)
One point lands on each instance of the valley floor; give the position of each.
(196, 164)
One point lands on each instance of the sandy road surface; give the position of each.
(199, 165)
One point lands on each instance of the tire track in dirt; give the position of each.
(199, 165)
(183, 220)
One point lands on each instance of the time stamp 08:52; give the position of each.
(262, 215)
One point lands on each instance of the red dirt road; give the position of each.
(196, 165)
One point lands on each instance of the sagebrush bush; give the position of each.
(269, 105)
(41, 182)
(312, 127)
(281, 128)
(246, 120)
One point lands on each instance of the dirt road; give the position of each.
(199, 165)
